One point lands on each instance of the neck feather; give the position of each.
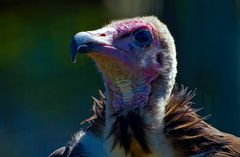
(189, 134)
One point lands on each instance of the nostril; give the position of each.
(102, 35)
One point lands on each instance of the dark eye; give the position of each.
(143, 38)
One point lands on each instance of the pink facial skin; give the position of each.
(122, 38)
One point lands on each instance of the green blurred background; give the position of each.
(44, 96)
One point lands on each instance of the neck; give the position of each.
(129, 94)
(129, 88)
(135, 121)
(139, 93)
(135, 101)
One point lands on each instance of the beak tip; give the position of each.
(79, 44)
(74, 50)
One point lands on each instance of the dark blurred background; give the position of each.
(44, 96)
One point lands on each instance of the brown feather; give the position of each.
(97, 120)
(189, 134)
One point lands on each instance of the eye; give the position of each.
(143, 38)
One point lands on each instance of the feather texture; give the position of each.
(190, 135)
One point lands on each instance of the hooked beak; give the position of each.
(85, 42)
(92, 41)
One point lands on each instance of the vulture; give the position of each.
(143, 113)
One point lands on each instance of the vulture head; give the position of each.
(133, 55)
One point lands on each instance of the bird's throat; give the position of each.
(129, 87)
(130, 94)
